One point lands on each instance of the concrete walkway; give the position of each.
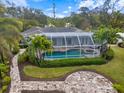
(78, 82)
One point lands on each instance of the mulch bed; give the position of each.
(62, 78)
(40, 91)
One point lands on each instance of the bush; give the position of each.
(15, 50)
(1, 91)
(23, 57)
(109, 54)
(3, 74)
(6, 80)
(4, 88)
(72, 62)
(119, 88)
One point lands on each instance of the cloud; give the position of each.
(38, 0)
(90, 3)
(65, 12)
(69, 7)
(121, 3)
(58, 15)
(49, 9)
(17, 3)
(96, 3)
(86, 3)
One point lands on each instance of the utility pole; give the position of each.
(54, 9)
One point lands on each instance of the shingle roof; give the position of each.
(33, 30)
(52, 30)
(60, 29)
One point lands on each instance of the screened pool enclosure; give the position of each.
(68, 42)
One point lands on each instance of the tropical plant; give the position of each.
(107, 33)
(40, 44)
(9, 38)
(101, 34)
(3, 69)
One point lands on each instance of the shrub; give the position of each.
(1, 91)
(15, 50)
(119, 88)
(23, 57)
(6, 80)
(73, 62)
(3, 74)
(108, 55)
(4, 88)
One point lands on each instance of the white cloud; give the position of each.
(121, 3)
(90, 3)
(96, 3)
(65, 12)
(49, 9)
(69, 7)
(17, 2)
(60, 15)
(37, 0)
(86, 3)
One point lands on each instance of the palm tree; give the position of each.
(9, 38)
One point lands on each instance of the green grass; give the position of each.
(113, 69)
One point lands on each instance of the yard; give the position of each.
(114, 69)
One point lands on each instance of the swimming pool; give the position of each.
(72, 53)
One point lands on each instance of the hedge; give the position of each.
(4, 88)
(119, 88)
(73, 62)
(108, 55)
(23, 57)
(6, 80)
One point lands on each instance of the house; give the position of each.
(68, 42)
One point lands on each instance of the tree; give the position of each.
(29, 23)
(12, 21)
(2, 9)
(40, 44)
(101, 34)
(84, 10)
(9, 39)
(106, 33)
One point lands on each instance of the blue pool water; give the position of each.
(73, 53)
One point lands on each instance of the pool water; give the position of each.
(72, 53)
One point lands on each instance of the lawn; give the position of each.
(113, 69)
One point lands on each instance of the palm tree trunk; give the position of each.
(2, 57)
(0, 79)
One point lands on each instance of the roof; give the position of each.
(60, 29)
(33, 30)
(55, 31)
(57, 34)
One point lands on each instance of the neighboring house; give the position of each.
(68, 42)
(120, 39)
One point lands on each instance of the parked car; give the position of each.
(120, 39)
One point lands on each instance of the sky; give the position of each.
(63, 7)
